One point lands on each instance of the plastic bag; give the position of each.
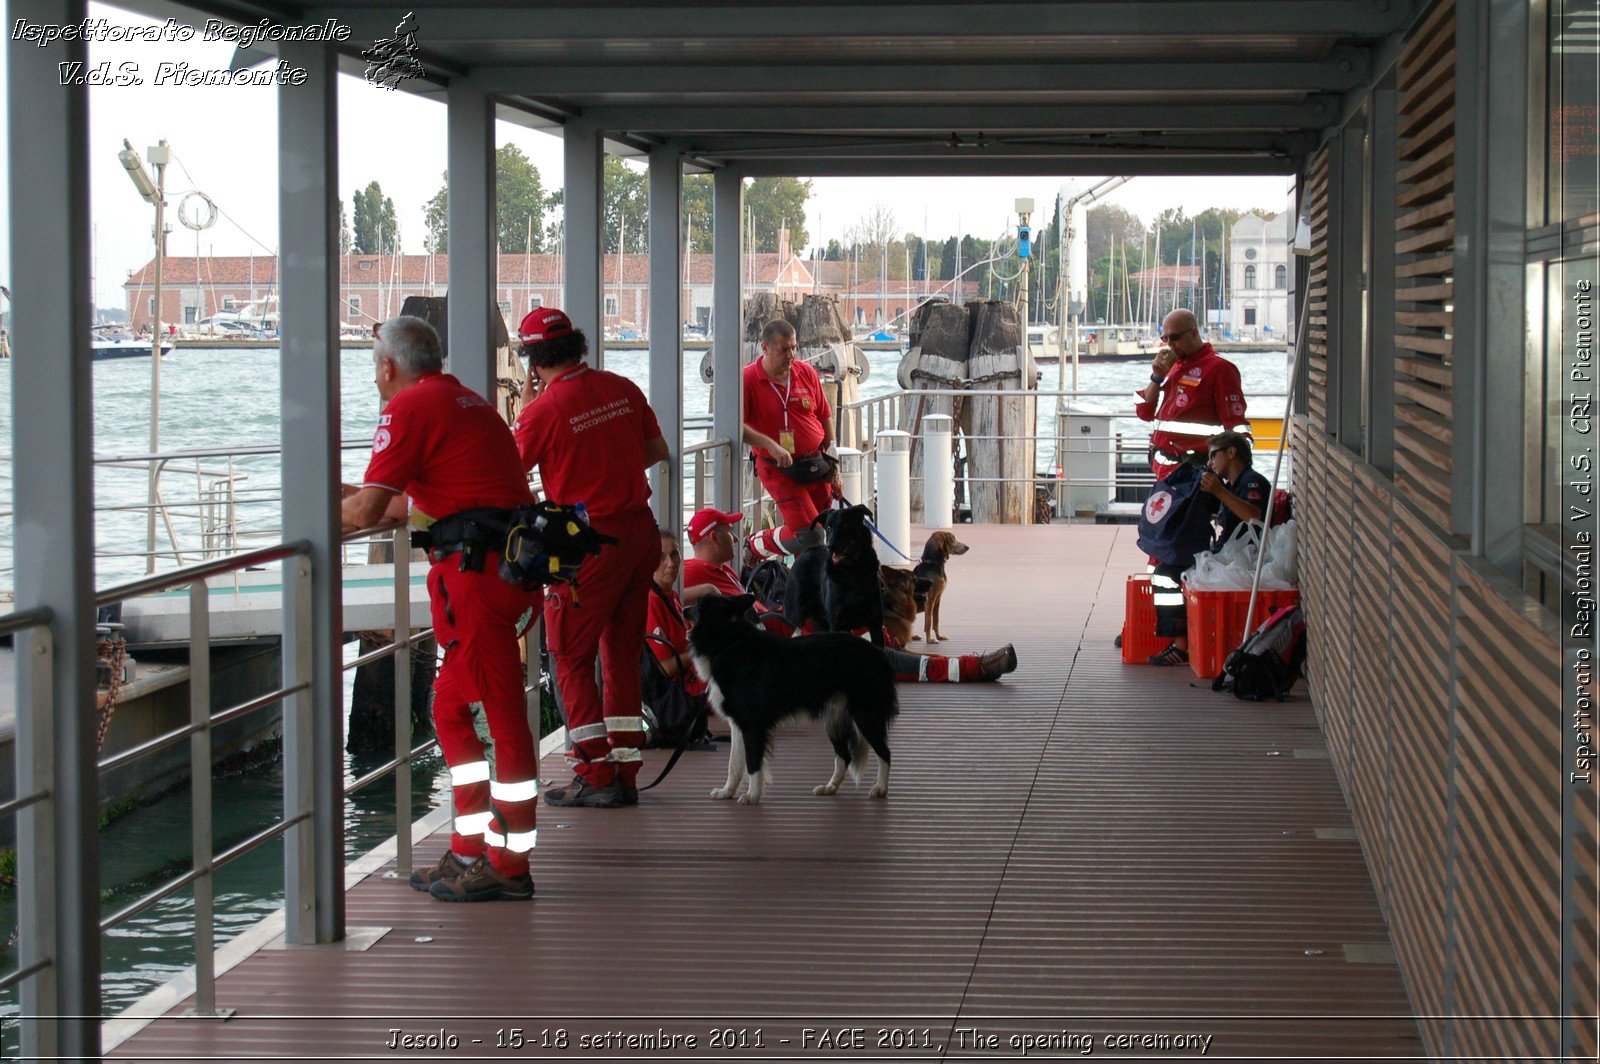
(1282, 562)
(1232, 567)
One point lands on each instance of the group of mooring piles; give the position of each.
(975, 347)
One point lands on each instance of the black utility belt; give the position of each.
(473, 534)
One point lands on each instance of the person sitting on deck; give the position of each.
(670, 645)
(708, 573)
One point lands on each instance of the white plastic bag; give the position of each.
(1232, 567)
(1282, 562)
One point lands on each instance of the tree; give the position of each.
(947, 260)
(699, 201)
(344, 230)
(626, 202)
(834, 252)
(778, 203)
(519, 196)
(1107, 226)
(375, 230)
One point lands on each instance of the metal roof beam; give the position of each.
(729, 148)
(1340, 72)
(1143, 164)
(622, 22)
(1313, 114)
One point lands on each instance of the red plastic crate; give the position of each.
(1216, 624)
(1139, 639)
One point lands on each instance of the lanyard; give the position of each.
(788, 389)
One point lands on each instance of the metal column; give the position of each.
(666, 329)
(313, 721)
(1344, 286)
(727, 319)
(1381, 282)
(52, 446)
(469, 126)
(583, 232)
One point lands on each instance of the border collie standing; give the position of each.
(758, 680)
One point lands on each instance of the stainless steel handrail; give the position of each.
(189, 574)
(21, 619)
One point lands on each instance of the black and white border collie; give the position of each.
(758, 680)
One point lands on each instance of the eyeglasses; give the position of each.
(1174, 337)
(1212, 454)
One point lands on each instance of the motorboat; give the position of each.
(114, 341)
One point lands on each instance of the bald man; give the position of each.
(1193, 394)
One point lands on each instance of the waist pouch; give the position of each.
(540, 543)
(809, 468)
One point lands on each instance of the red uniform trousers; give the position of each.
(798, 503)
(606, 616)
(475, 619)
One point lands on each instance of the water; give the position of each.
(229, 398)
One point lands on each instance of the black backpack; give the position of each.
(1269, 662)
(767, 582)
(670, 711)
(1175, 523)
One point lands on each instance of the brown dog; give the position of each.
(938, 550)
(904, 596)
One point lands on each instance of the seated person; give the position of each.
(665, 620)
(1243, 494)
(709, 573)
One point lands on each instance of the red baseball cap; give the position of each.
(702, 523)
(543, 323)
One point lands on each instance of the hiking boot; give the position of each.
(449, 867)
(1173, 655)
(997, 663)
(627, 792)
(480, 882)
(581, 792)
(1117, 642)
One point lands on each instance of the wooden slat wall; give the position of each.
(1425, 263)
(1317, 295)
(1508, 827)
(1427, 680)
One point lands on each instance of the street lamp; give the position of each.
(153, 193)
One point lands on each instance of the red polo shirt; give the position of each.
(443, 445)
(799, 406)
(722, 577)
(1203, 389)
(665, 619)
(586, 432)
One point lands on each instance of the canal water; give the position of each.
(229, 399)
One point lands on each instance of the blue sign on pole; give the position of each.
(1022, 241)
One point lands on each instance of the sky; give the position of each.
(224, 143)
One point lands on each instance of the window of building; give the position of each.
(1249, 276)
(1249, 253)
(367, 265)
(613, 308)
(355, 306)
(535, 302)
(152, 306)
(1249, 315)
(505, 307)
(1280, 276)
(1573, 87)
(229, 303)
(191, 315)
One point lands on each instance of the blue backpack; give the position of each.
(1175, 524)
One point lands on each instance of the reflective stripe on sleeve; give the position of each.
(1187, 428)
(514, 792)
(624, 724)
(470, 773)
(473, 823)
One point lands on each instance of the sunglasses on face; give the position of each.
(1175, 337)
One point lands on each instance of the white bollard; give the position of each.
(850, 473)
(938, 478)
(894, 494)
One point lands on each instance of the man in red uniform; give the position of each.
(1196, 385)
(1192, 396)
(709, 573)
(593, 435)
(446, 448)
(786, 416)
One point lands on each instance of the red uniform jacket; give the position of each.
(1203, 389)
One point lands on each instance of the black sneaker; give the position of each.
(480, 882)
(449, 867)
(581, 792)
(1173, 655)
(1117, 642)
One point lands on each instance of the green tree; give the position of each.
(626, 202)
(778, 203)
(345, 239)
(375, 228)
(519, 196)
(947, 259)
(699, 201)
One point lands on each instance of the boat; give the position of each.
(115, 341)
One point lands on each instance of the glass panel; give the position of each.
(1564, 378)
(1573, 152)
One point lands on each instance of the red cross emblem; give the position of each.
(1156, 507)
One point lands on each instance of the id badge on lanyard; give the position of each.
(786, 436)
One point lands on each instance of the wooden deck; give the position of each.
(1085, 849)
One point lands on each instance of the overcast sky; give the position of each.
(226, 141)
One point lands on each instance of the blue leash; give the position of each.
(875, 531)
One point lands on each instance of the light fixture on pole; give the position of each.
(153, 193)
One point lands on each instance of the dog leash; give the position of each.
(874, 528)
